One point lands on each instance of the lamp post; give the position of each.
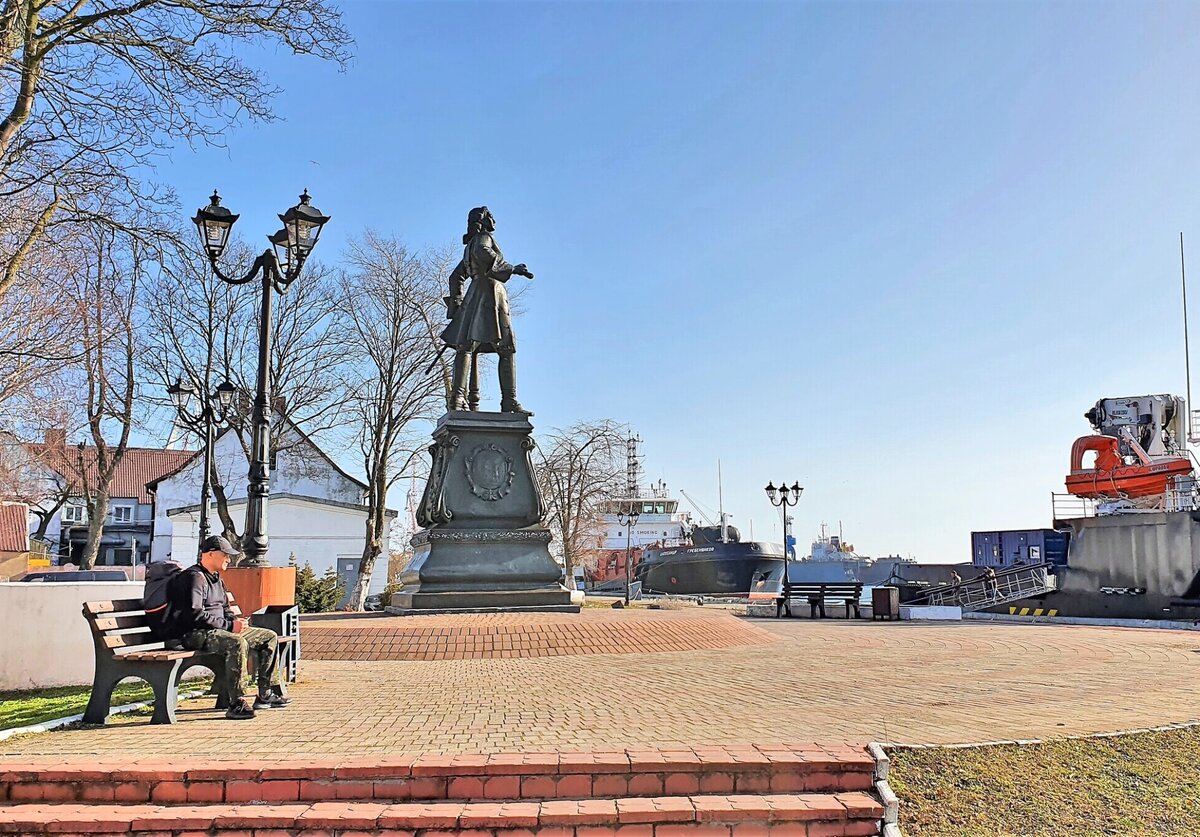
(278, 269)
(181, 396)
(783, 497)
(628, 519)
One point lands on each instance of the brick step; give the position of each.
(773, 815)
(508, 776)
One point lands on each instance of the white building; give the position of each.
(317, 512)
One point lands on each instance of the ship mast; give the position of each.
(721, 505)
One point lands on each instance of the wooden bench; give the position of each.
(124, 648)
(817, 594)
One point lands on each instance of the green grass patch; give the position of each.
(1128, 785)
(19, 709)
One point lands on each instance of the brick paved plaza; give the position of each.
(785, 681)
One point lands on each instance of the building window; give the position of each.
(74, 514)
(122, 514)
(121, 557)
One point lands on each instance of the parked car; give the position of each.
(78, 575)
(374, 602)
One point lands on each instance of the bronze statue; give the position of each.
(480, 321)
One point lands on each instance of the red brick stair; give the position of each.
(784, 791)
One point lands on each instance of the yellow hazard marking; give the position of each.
(1012, 611)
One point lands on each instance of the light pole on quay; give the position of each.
(278, 268)
(628, 519)
(212, 410)
(783, 497)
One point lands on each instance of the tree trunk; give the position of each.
(99, 512)
(373, 544)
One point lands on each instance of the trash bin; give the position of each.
(885, 603)
(285, 621)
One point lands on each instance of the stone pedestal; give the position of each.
(254, 588)
(483, 546)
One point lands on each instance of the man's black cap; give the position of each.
(216, 543)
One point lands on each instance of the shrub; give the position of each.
(317, 595)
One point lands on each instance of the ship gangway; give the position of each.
(1020, 582)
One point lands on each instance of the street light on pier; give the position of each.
(628, 519)
(277, 268)
(212, 411)
(783, 497)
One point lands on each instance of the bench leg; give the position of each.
(164, 680)
(822, 608)
(100, 701)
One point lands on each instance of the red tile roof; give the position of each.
(138, 466)
(14, 528)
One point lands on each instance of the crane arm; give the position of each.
(701, 509)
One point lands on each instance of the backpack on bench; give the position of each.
(156, 600)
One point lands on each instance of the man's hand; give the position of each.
(240, 624)
(522, 270)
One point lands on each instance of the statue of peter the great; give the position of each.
(480, 321)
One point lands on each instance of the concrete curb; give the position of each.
(1024, 741)
(55, 723)
(891, 802)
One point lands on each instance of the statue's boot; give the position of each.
(458, 383)
(508, 385)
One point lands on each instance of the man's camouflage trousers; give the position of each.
(235, 650)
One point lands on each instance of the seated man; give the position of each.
(201, 618)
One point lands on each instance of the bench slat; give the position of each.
(119, 622)
(151, 656)
(115, 606)
(126, 640)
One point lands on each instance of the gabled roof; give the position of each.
(316, 501)
(152, 484)
(137, 467)
(14, 528)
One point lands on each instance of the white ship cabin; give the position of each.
(660, 523)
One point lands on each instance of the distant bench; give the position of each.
(121, 636)
(818, 593)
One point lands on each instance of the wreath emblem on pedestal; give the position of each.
(490, 472)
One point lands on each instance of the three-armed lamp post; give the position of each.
(783, 497)
(212, 410)
(301, 228)
(628, 519)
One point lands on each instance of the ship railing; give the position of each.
(979, 593)
(1068, 506)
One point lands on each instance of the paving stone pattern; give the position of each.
(508, 635)
(825, 681)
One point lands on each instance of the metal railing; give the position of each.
(979, 593)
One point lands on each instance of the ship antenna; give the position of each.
(721, 503)
(1187, 352)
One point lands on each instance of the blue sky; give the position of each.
(893, 251)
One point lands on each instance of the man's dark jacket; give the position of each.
(198, 602)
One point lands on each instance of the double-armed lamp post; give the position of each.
(783, 497)
(629, 518)
(212, 410)
(277, 269)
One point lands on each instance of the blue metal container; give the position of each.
(1025, 546)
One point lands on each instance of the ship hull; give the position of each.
(722, 569)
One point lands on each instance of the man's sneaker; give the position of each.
(240, 711)
(271, 701)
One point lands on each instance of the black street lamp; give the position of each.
(783, 497)
(301, 228)
(181, 396)
(628, 519)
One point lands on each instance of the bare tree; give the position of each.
(392, 300)
(204, 331)
(579, 469)
(95, 90)
(102, 292)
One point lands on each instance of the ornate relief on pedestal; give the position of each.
(489, 472)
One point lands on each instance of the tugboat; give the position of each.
(718, 563)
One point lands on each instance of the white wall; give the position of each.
(44, 639)
(318, 534)
(300, 470)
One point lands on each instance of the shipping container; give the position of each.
(1025, 546)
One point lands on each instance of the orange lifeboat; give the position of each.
(1112, 478)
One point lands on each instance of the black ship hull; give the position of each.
(720, 569)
